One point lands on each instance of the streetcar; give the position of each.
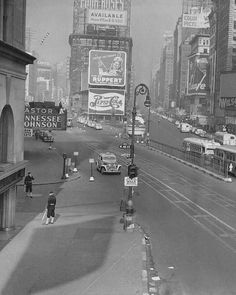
(200, 146)
(227, 153)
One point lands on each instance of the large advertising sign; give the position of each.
(197, 18)
(45, 118)
(107, 68)
(106, 102)
(102, 4)
(227, 98)
(198, 74)
(107, 17)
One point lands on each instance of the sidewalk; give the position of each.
(86, 251)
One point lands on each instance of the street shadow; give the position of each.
(58, 255)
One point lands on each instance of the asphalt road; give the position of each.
(191, 220)
(190, 216)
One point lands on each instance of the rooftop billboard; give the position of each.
(197, 18)
(107, 17)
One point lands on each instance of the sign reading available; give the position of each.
(107, 68)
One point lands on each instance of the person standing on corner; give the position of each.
(51, 208)
(28, 184)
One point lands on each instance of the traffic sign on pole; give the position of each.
(130, 182)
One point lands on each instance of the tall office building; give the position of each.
(224, 40)
(166, 65)
(99, 28)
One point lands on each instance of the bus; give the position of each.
(199, 145)
(225, 138)
(227, 153)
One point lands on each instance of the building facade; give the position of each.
(103, 26)
(13, 61)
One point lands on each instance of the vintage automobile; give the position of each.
(47, 137)
(124, 145)
(107, 163)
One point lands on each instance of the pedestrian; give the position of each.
(51, 204)
(36, 134)
(28, 184)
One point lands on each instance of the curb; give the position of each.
(150, 278)
(71, 178)
(225, 179)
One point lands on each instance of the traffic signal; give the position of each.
(132, 171)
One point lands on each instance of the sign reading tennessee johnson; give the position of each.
(106, 101)
(44, 118)
(107, 68)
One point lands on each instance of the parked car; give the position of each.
(107, 163)
(124, 145)
(98, 126)
(47, 137)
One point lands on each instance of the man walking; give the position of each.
(28, 184)
(51, 208)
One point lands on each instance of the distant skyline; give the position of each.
(150, 19)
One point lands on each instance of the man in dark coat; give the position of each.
(51, 208)
(28, 184)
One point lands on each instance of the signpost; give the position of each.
(91, 161)
(130, 182)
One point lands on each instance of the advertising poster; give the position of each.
(45, 118)
(107, 17)
(106, 102)
(197, 18)
(107, 68)
(198, 75)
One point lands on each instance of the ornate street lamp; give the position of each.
(141, 89)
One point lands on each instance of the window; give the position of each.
(234, 24)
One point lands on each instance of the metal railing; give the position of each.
(211, 163)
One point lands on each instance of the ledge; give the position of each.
(6, 169)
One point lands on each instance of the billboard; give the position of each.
(198, 75)
(227, 99)
(197, 18)
(107, 17)
(107, 68)
(106, 101)
(45, 118)
(102, 4)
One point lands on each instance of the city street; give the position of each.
(190, 216)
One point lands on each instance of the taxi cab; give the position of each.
(107, 163)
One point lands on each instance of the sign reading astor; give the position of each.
(107, 68)
(43, 117)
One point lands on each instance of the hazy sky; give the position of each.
(149, 21)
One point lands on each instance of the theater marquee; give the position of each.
(45, 118)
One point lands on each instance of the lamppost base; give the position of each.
(91, 178)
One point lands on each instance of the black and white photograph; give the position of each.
(117, 147)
